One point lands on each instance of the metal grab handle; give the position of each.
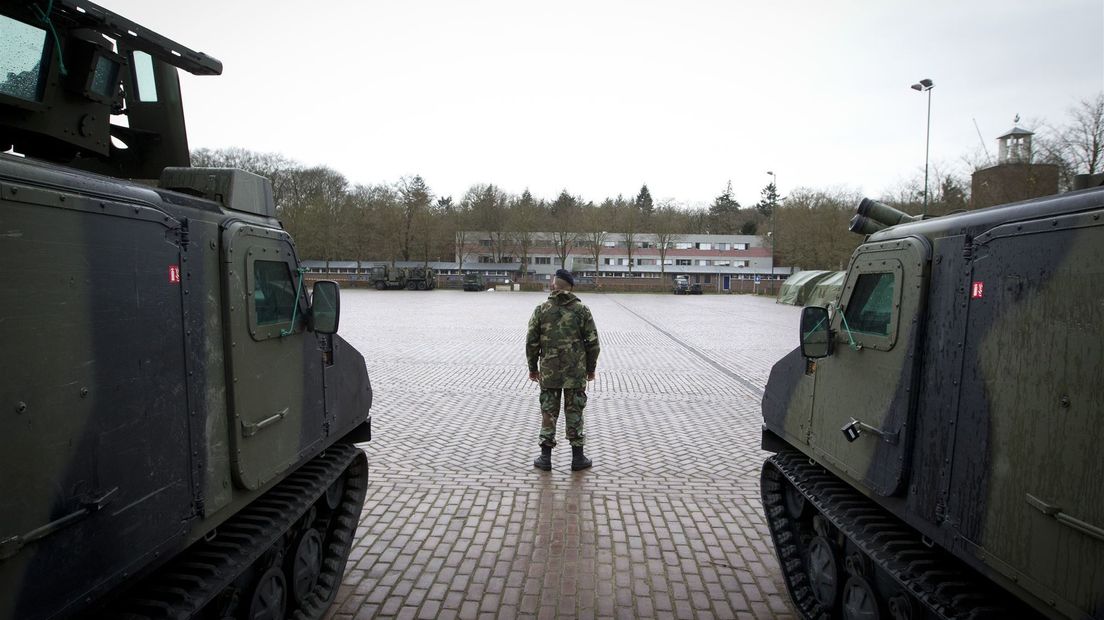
(1051, 510)
(248, 430)
(13, 545)
(854, 428)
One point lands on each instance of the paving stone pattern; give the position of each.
(457, 522)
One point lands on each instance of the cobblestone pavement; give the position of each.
(458, 523)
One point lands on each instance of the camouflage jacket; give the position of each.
(563, 338)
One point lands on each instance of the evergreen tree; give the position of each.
(724, 213)
(769, 200)
(643, 200)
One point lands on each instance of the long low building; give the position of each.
(719, 263)
(714, 261)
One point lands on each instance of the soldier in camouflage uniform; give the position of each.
(563, 338)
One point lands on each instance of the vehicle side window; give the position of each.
(21, 56)
(273, 292)
(870, 309)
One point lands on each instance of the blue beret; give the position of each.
(566, 276)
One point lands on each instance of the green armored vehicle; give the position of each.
(179, 415)
(385, 277)
(421, 278)
(939, 434)
(474, 282)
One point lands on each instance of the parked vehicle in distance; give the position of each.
(385, 277)
(682, 285)
(695, 289)
(474, 282)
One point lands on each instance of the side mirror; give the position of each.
(816, 338)
(325, 306)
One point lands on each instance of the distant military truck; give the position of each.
(421, 278)
(682, 285)
(385, 277)
(474, 282)
(939, 437)
(180, 417)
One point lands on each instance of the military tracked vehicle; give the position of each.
(938, 433)
(385, 277)
(474, 282)
(177, 414)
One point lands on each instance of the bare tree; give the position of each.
(523, 219)
(666, 226)
(458, 219)
(629, 220)
(564, 228)
(1083, 137)
(488, 207)
(416, 198)
(810, 229)
(594, 223)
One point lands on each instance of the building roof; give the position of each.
(1014, 132)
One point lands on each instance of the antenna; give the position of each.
(988, 157)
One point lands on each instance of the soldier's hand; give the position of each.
(590, 376)
(534, 376)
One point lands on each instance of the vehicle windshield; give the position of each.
(21, 50)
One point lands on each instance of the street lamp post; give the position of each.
(926, 85)
(774, 205)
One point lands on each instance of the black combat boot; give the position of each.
(544, 461)
(578, 459)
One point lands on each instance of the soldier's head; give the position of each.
(563, 281)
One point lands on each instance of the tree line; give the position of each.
(333, 219)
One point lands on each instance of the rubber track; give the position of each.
(186, 584)
(935, 579)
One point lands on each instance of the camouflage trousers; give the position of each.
(574, 403)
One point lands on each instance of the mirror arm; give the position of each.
(850, 338)
(295, 309)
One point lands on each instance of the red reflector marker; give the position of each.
(977, 291)
(174, 274)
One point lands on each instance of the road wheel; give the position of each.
(410, 286)
(305, 565)
(380, 285)
(269, 600)
(860, 602)
(421, 285)
(823, 570)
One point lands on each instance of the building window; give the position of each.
(485, 243)
(542, 260)
(486, 259)
(703, 263)
(668, 261)
(707, 279)
(703, 246)
(610, 244)
(739, 246)
(646, 244)
(722, 246)
(741, 263)
(683, 261)
(608, 261)
(721, 263)
(683, 245)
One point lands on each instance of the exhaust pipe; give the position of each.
(864, 226)
(872, 216)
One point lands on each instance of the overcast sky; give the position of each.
(599, 97)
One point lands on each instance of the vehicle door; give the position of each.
(275, 375)
(867, 383)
